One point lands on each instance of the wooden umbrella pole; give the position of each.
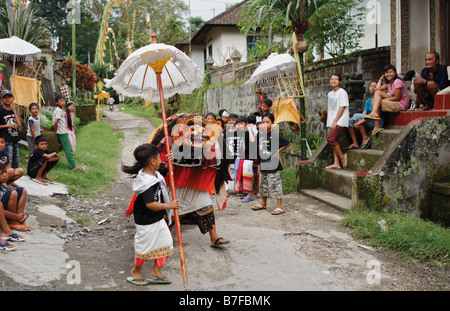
(172, 182)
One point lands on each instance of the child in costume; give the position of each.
(153, 239)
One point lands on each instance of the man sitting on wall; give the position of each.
(433, 78)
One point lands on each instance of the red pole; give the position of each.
(172, 182)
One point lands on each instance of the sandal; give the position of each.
(23, 227)
(352, 147)
(248, 199)
(39, 181)
(4, 246)
(366, 145)
(15, 238)
(258, 207)
(134, 281)
(372, 118)
(278, 211)
(48, 180)
(217, 242)
(161, 280)
(377, 131)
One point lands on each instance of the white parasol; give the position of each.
(136, 77)
(275, 65)
(14, 48)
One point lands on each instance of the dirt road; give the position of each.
(303, 249)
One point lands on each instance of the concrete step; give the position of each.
(339, 181)
(334, 200)
(382, 140)
(362, 160)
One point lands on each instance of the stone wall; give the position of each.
(357, 69)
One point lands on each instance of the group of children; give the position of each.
(41, 161)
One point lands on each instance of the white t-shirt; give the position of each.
(58, 114)
(336, 100)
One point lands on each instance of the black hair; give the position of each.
(212, 114)
(221, 111)
(252, 119)
(256, 113)
(32, 105)
(267, 102)
(3, 137)
(232, 116)
(337, 75)
(389, 67)
(242, 119)
(58, 97)
(143, 154)
(270, 116)
(2, 167)
(436, 55)
(39, 138)
(69, 117)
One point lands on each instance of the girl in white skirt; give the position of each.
(153, 239)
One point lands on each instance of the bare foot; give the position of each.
(344, 161)
(334, 166)
(137, 276)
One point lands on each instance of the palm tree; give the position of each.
(25, 24)
(295, 14)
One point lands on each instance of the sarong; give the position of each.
(153, 241)
(244, 176)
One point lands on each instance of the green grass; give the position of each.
(416, 238)
(289, 180)
(98, 148)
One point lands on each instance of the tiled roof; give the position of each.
(228, 18)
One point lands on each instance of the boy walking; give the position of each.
(59, 120)
(9, 124)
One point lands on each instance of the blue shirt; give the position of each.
(368, 106)
(4, 159)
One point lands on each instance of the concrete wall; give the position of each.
(224, 40)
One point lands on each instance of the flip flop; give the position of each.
(258, 207)
(133, 280)
(278, 211)
(217, 242)
(15, 238)
(4, 246)
(352, 147)
(366, 145)
(159, 281)
(48, 180)
(39, 181)
(248, 199)
(377, 131)
(20, 227)
(372, 118)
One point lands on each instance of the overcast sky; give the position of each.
(207, 9)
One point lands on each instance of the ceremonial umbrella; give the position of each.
(275, 65)
(159, 70)
(16, 48)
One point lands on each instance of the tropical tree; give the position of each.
(24, 23)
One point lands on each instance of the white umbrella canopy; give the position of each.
(137, 77)
(275, 65)
(18, 47)
(15, 48)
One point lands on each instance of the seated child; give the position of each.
(13, 173)
(41, 162)
(13, 201)
(357, 120)
(7, 234)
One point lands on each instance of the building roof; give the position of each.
(229, 17)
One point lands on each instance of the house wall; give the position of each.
(224, 40)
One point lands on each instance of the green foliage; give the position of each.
(289, 180)
(417, 239)
(337, 28)
(25, 23)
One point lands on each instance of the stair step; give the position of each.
(336, 201)
(383, 139)
(362, 160)
(339, 181)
